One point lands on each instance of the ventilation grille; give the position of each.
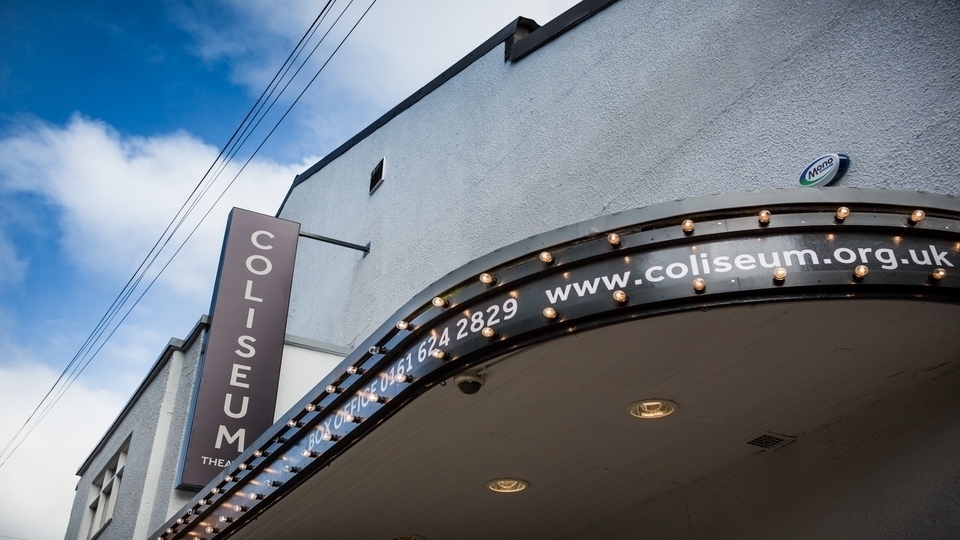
(377, 175)
(769, 441)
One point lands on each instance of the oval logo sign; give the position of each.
(824, 170)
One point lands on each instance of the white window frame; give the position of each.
(104, 492)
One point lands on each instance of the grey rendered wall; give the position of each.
(155, 426)
(166, 463)
(645, 102)
(140, 425)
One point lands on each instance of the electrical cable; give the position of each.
(128, 291)
(71, 372)
(207, 213)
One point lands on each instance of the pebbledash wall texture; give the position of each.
(641, 102)
(148, 430)
(150, 433)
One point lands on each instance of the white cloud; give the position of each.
(40, 478)
(112, 195)
(12, 267)
(116, 193)
(399, 47)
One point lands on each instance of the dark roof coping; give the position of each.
(559, 25)
(521, 37)
(173, 345)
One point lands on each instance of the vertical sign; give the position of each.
(237, 390)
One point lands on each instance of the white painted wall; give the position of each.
(303, 367)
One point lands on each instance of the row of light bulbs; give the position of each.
(243, 466)
(699, 286)
(259, 453)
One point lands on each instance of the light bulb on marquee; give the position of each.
(546, 257)
(487, 279)
(842, 213)
(614, 239)
(764, 217)
(687, 226)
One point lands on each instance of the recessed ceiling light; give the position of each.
(652, 408)
(507, 485)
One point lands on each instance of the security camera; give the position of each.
(469, 383)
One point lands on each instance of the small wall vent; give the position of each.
(769, 441)
(377, 175)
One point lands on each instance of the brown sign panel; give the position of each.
(237, 390)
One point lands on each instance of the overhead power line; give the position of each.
(241, 134)
(76, 365)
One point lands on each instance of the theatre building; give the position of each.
(650, 270)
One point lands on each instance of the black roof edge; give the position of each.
(563, 22)
(173, 345)
(521, 37)
(507, 33)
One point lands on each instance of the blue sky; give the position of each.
(110, 112)
(114, 63)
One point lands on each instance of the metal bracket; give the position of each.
(365, 249)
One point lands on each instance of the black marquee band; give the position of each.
(690, 254)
